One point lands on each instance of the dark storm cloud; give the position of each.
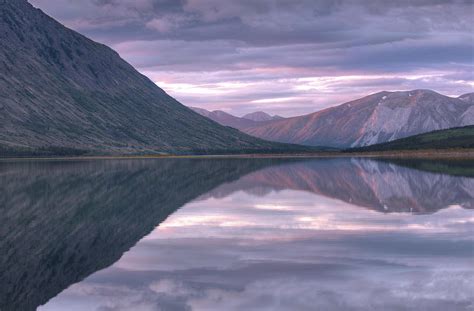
(167, 39)
(273, 21)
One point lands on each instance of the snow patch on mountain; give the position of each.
(384, 121)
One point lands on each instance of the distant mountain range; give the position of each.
(227, 119)
(261, 116)
(377, 118)
(63, 93)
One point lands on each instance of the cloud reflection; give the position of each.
(239, 248)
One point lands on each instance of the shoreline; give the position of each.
(432, 154)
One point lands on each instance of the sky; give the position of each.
(286, 57)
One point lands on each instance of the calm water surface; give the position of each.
(242, 234)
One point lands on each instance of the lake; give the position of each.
(237, 234)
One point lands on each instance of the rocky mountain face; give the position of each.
(377, 118)
(261, 116)
(453, 138)
(58, 89)
(469, 97)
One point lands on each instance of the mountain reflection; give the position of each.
(381, 186)
(62, 221)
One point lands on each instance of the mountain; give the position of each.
(455, 138)
(225, 119)
(241, 123)
(261, 116)
(469, 97)
(63, 93)
(377, 118)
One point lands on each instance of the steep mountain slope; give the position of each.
(260, 116)
(60, 90)
(377, 118)
(459, 138)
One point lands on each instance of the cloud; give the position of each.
(162, 24)
(268, 41)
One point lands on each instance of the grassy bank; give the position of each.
(467, 154)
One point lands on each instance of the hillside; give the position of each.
(456, 138)
(62, 93)
(376, 118)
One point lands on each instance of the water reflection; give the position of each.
(252, 235)
(380, 186)
(62, 221)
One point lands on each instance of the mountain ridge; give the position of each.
(225, 119)
(379, 117)
(240, 123)
(261, 116)
(61, 90)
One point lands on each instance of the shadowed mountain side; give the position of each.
(380, 186)
(63, 94)
(62, 221)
